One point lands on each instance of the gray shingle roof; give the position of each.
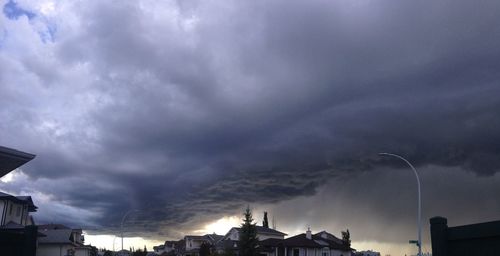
(52, 226)
(261, 229)
(56, 236)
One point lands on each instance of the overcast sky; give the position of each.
(191, 110)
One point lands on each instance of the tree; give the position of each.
(247, 243)
(205, 249)
(108, 253)
(265, 222)
(346, 237)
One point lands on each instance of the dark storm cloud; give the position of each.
(192, 111)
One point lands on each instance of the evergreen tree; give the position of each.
(265, 222)
(205, 249)
(346, 237)
(247, 243)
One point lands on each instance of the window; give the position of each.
(296, 252)
(18, 211)
(10, 211)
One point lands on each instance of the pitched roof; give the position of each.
(301, 241)
(20, 200)
(52, 226)
(315, 242)
(214, 237)
(264, 230)
(196, 237)
(56, 236)
(325, 235)
(11, 159)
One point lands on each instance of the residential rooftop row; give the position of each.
(271, 242)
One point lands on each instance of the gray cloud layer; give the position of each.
(194, 109)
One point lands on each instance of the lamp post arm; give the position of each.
(419, 220)
(123, 220)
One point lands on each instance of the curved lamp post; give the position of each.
(419, 221)
(123, 220)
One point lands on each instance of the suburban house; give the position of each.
(61, 240)
(263, 233)
(192, 244)
(159, 249)
(15, 210)
(18, 235)
(170, 246)
(230, 241)
(306, 244)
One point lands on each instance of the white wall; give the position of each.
(53, 249)
(82, 251)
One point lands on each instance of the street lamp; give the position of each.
(123, 219)
(419, 221)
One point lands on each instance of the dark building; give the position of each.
(476, 239)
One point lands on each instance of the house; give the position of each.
(192, 244)
(61, 240)
(16, 210)
(169, 247)
(18, 235)
(159, 249)
(230, 241)
(263, 233)
(306, 244)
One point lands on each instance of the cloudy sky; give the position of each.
(191, 110)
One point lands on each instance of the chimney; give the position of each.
(308, 233)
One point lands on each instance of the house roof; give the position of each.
(264, 230)
(325, 235)
(56, 236)
(170, 243)
(315, 242)
(20, 200)
(11, 159)
(52, 226)
(301, 241)
(214, 237)
(196, 237)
